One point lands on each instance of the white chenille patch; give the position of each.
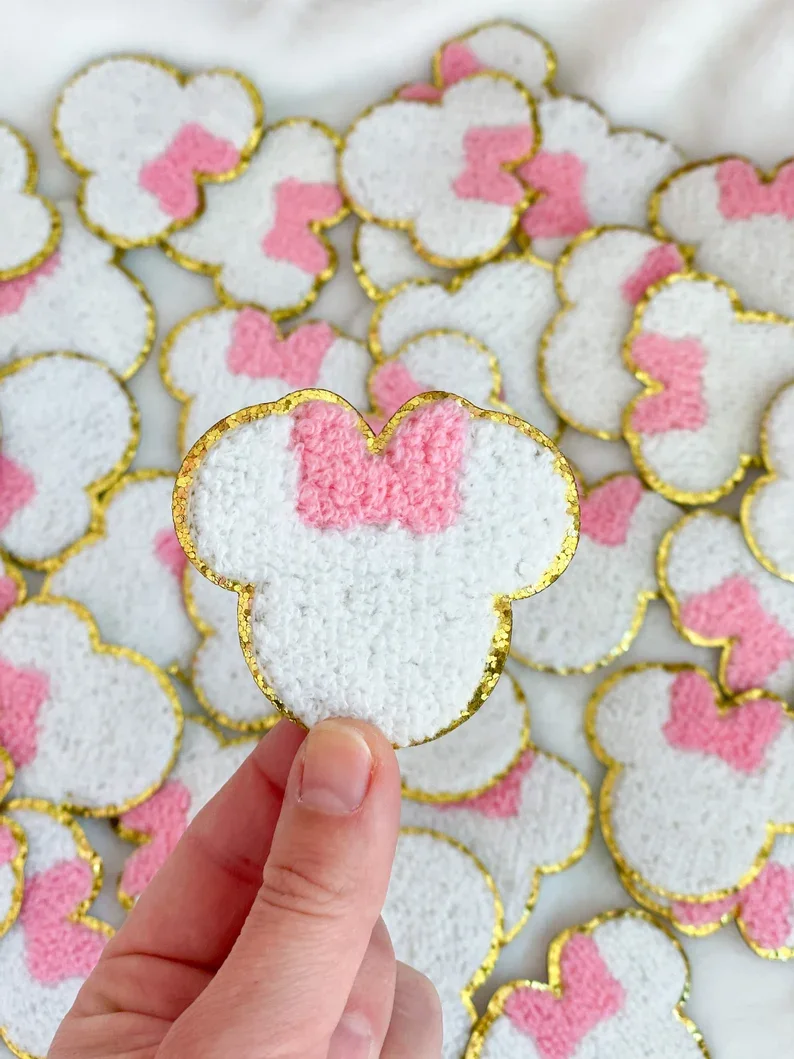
(443, 170)
(90, 726)
(58, 453)
(304, 512)
(709, 369)
(697, 786)
(739, 222)
(80, 298)
(145, 139)
(128, 573)
(384, 257)
(616, 987)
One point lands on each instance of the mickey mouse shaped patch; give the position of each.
(145, 138)
(617, 987)
(376, 572)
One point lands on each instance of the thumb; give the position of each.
(283, 989)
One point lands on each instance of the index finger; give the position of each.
(195, 906)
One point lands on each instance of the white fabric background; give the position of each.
(713, 75)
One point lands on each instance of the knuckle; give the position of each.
(302, 892)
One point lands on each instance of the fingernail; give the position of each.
(352, 1039)
(337, 767)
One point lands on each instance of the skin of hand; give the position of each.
(261, 936)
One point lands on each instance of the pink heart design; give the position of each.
(503, 800)
(22, 694)
(678, 365)
(739, 736)
(14, 292)
(605, 515)
(298, 207)
(590, 996)
(169, 552)
(55, 947)
(414, 481)
(486, 150)
(17, 489)
(258, 351)
(743, 194)
(766, 908)
(659, 262)
(732, 611)
(561, 210)
(163, 817)
(171, 177)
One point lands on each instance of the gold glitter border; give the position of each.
(85, 851)
(7, 772)
(748, 500)
(200, 179)
(29, 188)
(98, 532)
(408, 226)
(17, 864)
(654, 905)
(141, 838)
(651, 386)
(500, 644)
(452, 286)
(318, 229)
(615, 769)
(494, 400)
(8, 568)
(94, 489)
(670, 597)
(485, 970)
(637, 619)
(554, 986)
(764, 176)
(177, 331)
(505, 23)
(567, 306)
(99, 647)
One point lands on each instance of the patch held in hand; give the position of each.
(324, 510)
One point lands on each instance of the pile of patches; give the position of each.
(378, 524)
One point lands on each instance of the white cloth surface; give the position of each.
(712, 75)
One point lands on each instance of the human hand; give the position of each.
(261, 937)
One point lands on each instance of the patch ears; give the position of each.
(183, 79)
(617, 753)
